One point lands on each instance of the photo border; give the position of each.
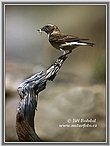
(3, 69)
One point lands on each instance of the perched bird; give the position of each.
(61, 41)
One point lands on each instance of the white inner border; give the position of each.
(50, 3)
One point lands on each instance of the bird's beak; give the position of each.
(40, 31)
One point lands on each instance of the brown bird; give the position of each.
(61, 41)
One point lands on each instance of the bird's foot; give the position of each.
(62, 51)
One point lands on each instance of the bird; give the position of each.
(61, 41)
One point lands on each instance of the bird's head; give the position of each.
(49, 28)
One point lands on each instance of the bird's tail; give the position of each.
(81, 42)
(90, 44)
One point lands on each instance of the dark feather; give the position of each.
(60, 38)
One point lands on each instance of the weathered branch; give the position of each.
(28, 91)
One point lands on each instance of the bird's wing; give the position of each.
(71, 38)
(61, 38)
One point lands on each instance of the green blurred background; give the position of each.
(81, 80)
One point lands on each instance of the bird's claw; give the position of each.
(62, 51)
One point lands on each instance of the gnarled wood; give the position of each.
(28, 91)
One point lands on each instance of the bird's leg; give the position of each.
(37, 102)
(68, 52)
(62, 51)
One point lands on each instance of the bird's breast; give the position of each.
(54, 44)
